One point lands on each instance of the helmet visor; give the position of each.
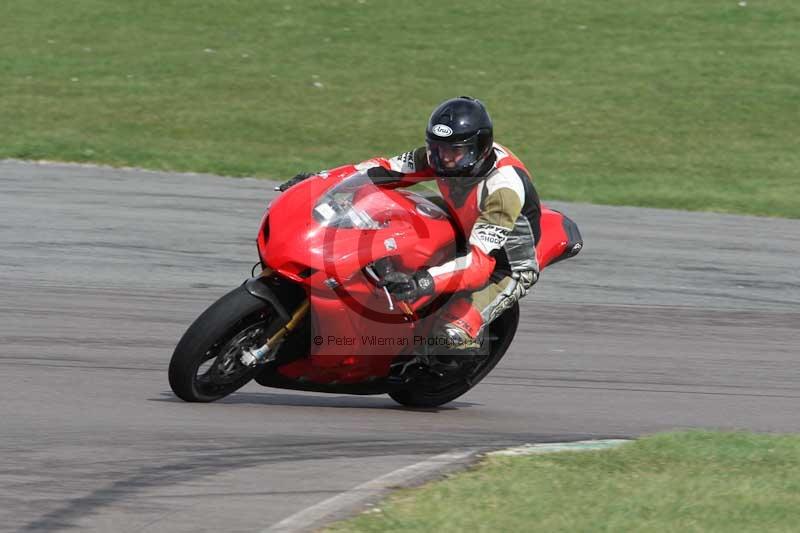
(450, 159)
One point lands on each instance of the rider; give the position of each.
(490, 193)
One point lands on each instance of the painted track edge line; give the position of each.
(315, 515)
(555, 447)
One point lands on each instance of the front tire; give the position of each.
(502, 329)
(205, 365)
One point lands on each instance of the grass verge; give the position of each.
(690, 481)
(679, 104)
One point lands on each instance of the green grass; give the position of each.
(696, 481)
(683, 104)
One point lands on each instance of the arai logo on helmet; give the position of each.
(442, 131)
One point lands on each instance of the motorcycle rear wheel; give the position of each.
(502, 329)
(205, 365)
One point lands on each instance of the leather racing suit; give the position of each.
(500, 213)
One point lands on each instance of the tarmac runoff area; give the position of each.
(666, 320)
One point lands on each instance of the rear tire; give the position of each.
(504, 328)
(205, 365)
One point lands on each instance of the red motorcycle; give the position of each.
(317, 318)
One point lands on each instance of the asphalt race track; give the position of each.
(666, 320)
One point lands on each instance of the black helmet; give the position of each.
(459, 138)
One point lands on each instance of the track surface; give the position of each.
(666, 320)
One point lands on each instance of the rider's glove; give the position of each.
(294, 181)
(408, 287)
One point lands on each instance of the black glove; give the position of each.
(407, 287)
(294, 181)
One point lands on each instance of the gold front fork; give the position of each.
(256, 356)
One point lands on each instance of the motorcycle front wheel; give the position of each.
(206, 363)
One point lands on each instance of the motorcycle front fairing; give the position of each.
(325, 233)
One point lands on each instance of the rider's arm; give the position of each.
(472, 271)
(403, 170)
(400, 171)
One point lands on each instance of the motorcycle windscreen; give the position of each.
(346, 205)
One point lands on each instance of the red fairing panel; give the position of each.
(355, 335)
(349, 347)
(296, 241)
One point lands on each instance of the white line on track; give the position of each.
(552, 447)
(316, 514)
